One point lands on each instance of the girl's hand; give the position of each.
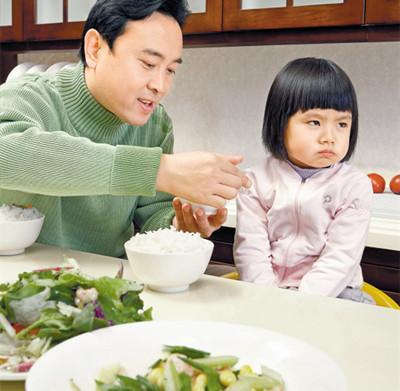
(197, 221)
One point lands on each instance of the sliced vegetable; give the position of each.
(272, 374)
(218, 362)
(211, 373)
(213, 383)
(171, 377)
(188, 352)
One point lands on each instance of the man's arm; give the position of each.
(36, 159)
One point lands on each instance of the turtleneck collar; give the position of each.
(87, 116)
(305, 173)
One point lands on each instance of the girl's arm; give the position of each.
(252, 248)
(346, 237)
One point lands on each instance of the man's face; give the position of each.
(131, 79)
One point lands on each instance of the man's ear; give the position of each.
(93, 45)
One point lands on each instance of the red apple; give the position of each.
(378, 183)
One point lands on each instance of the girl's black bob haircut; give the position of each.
(304, 84)
(109, 17)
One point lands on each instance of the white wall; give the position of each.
(218, 100)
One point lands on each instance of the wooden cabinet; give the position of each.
(382, 11)
(11, 22)
(46, 20)
(206, 17)
(253, 15)
(63, 20)
(380, 267)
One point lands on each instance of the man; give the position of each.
(91, 147)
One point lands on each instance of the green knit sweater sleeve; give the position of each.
(156, 212)
(37, 155)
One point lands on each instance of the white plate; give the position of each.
(136, 346)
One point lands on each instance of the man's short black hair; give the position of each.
(109, 17)
(305, 84)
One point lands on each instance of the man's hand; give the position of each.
(197, 221)
(202, 177)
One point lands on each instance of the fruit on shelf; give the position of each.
(378, 182)
(395, 184)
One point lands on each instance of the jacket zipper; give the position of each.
(297, 219)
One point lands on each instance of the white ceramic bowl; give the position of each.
(208, 210)
(16, 236)
(171, 272)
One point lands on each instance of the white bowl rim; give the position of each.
(201, 250)
(22, 221)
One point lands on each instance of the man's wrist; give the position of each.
(162, 179)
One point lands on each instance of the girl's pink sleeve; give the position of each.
(252, 247)
(346, 237)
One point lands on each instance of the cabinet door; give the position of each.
(274, 14)
(382, 11)
(55, 19)
(206, 17)
(10, 20)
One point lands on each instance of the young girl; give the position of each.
(304, 222)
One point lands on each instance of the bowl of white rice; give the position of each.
(208, 210)
(19, 228)
(168, 260)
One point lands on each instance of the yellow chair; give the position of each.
(380, 297)
(231, 275)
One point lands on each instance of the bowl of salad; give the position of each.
(168, 260)
(20, 226)
(48, 306)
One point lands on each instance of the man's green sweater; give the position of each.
(89, 173)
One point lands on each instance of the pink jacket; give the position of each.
(308, 233)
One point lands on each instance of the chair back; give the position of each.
(380, 297)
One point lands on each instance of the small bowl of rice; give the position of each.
(20, 226)
(208, 210)
(168, 260)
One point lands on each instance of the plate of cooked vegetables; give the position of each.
(45, 307)
(185, 355)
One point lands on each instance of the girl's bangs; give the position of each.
(332, 91)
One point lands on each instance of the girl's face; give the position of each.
(317, 138)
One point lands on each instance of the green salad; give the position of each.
(187, 369)
(45, 307)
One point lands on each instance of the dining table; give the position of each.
(363, 339)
